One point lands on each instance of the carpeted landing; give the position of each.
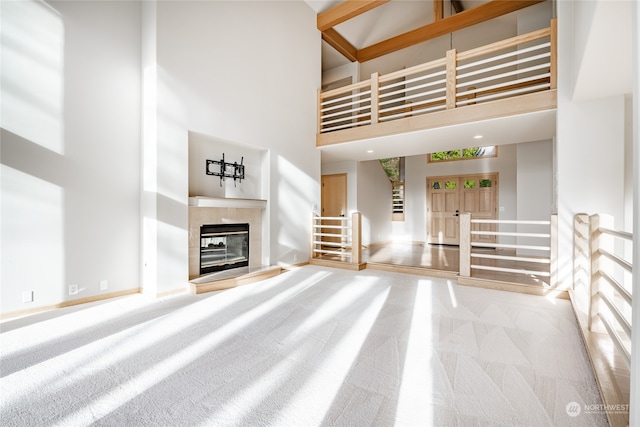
(313, 346)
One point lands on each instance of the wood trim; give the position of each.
(440, 62)
(413, 270)
(553, 252)
(468, 18)
(338, 264)
(503, 44)
(70, 303)
(344, 89)
(356, 238)
(340, 44)
(513, 287)
(345, 11)
(465, 244)
(505, 88)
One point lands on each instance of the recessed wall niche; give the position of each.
(204, 147)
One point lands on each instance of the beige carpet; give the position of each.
(311, 347)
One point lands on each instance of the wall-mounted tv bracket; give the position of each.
(226, 170)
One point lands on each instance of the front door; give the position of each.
(448, 196)
(443, 207)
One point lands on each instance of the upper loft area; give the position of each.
(511, 77)
(494, 75)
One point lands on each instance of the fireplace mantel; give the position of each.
(221, 202)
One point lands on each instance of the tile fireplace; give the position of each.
(223, 247)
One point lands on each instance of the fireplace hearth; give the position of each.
(223, 247)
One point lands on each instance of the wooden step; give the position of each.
(231, 278)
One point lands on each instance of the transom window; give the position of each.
(463, 154)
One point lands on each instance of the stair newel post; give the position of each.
(465, 244)
(356, 238)
(553, 252)
(314, 219)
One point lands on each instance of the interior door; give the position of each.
(448, 196)
(334, 195)
(443, 198)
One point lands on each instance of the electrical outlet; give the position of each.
(104, 285)
(27, 296)
(73, 289)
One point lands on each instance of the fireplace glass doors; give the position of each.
(223, 246)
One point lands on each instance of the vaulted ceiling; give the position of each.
(361, 30)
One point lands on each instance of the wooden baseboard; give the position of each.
(512, 287)
(338, 264)
(294, 266)
(413, 270)
(69, 303)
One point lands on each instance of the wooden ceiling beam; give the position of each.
(438, 10)
(345, 11)
(340, 44)
(467, 18)
(457, 6)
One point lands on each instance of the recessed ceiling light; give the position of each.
(477, 137)
(369, 151)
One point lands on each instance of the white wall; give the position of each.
(232, 71)
(374, 202)
(534, 191)
(590, 141)
(203, 148)
(70, 150)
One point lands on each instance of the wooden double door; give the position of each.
(448, 196)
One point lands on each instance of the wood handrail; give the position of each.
(503, 44)
(345, 89)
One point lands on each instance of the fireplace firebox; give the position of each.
(223, 246)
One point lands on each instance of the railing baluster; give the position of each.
(375, 95)
(451, 78)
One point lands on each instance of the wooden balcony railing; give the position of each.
(541, 266)
(336, 241)
(517, 66)
(602, 298)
